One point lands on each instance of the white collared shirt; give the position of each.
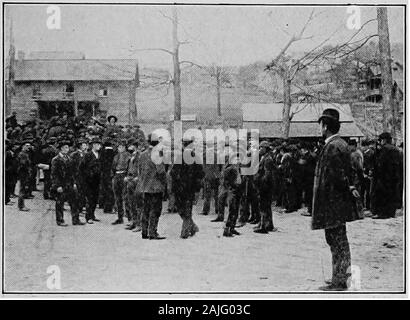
(95, 153)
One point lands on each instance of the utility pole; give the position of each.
(132, 118)
(386, 72)
(177, 69)
(287, 104)
(218, 91)
(10, 83)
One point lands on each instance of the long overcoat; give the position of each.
(333, 203)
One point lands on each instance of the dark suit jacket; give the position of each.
(90, 168)
(387, 175)
(61, 172)
(333, 203)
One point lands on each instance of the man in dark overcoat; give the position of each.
(334, 198)
(186, 181)
(386, 178)
(264, 182)
(77, 156)
(90, 169)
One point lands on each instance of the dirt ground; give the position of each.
(103, 257)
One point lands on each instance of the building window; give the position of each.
(36, 90)
(69, 88)
(103, 92)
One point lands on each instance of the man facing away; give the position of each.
(64, 186)
(186, 181)
(153, 180)
(333, 198)
(386, 178)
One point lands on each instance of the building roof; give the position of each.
(267, 118)
(184, 117)
(304, 112)
(53, 55)
(300, 129)
(75, 70)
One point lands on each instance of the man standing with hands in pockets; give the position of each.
(333, 198)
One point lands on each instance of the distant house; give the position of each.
(267, 118)
(52, 84)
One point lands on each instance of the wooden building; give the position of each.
(55, 84)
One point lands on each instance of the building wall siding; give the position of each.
(117, 102)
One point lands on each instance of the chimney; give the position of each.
(20, 55)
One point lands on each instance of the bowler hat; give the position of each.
(107, 142)
(81, 141)
(62, 143)
(109, 118)
(96, 140)
(330, 113)
(385, 136)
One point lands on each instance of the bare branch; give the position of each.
(299, 37)
(359, 46)
(192, 64)
(293, 39)
(165, 15)
(154, 49)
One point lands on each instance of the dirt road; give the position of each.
(102, 257)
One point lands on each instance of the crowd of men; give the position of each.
(91, 164)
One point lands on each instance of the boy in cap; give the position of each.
(134, 201)
(24, 173)
(119, 170)
(64, 185)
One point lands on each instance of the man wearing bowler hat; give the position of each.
(90, 169)
(119, 172)
(63, 184)
(334, 198)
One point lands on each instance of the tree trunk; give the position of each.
(287, 103)
(177, 70)
(386, 72)
(10, 83)
(218, 91)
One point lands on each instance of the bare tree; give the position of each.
(288, 68)
(219, 74)
(176, 80)
(280, 66)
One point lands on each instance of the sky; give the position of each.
(225, 35)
